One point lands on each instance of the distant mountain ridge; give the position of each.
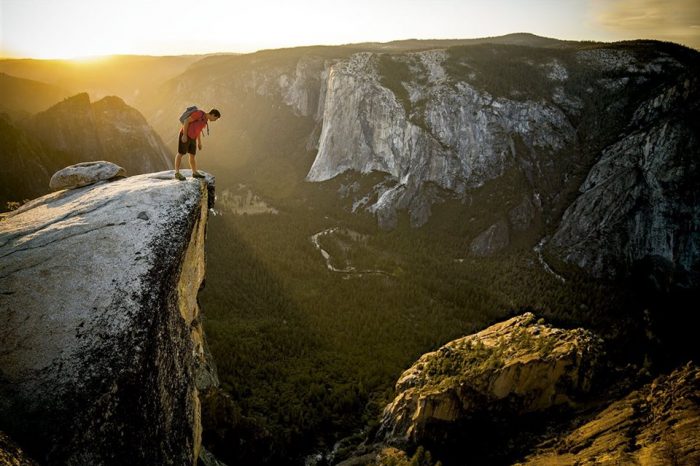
(127, 76)
(22, 97)
(71, 131)
(517, 38)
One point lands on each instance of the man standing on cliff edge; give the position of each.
(190, 138)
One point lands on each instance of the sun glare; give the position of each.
(82, 29)
(89, 59)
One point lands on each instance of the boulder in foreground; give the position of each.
(84, 174)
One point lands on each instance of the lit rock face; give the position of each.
(447, 133)
(640, 200)
(657, 424)
(512, 368)
(440, 134)
(101, 346)
(84, 174)
(11, 454)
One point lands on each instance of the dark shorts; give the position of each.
(189, 147)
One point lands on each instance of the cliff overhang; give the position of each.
(103, 353)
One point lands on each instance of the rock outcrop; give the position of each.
(104, 130)
(640, 200)
(102, 353)
(503, 387)
(657, 424)
(492, 240)
(512, 368)
(84, 174)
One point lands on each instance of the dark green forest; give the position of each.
(307, 356)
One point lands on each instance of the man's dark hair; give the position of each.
(215, 112)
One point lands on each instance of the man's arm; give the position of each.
(199, 141)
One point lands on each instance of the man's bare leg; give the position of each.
(178, 159)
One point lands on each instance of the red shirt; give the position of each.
(198, 121)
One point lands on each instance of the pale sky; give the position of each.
(77, 28)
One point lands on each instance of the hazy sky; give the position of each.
(73, 28)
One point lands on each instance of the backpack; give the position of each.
(186, 114)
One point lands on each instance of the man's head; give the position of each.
(214, 114)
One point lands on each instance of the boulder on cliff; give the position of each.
(657, 424)
(84, 174)
(512, 368)
(101, 341)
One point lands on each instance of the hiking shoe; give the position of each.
(197, 175)
(178, 176)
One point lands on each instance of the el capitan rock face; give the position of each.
(103, 354)
(425, 126)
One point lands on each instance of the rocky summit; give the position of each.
(512, 368)
(102, 353)
(108, 129)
